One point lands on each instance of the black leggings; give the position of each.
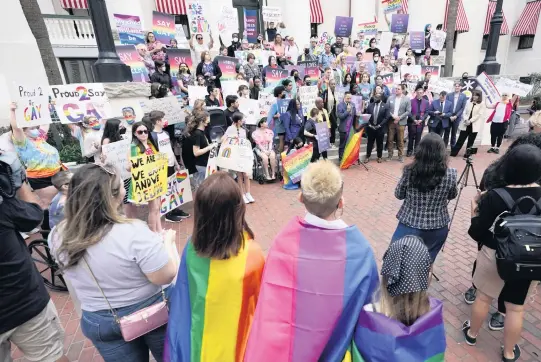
(497, 130)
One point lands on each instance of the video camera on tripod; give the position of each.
(470, 152)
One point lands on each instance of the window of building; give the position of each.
(78, 70)
(313, 29)
(484, 44)
(183, 20)
(526, 42)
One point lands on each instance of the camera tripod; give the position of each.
(463, 182)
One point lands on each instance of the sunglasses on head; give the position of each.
(142, 132)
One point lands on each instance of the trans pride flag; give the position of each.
(314, 286)
(382, 339)
(212, 306)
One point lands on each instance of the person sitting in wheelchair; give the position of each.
(263, 138)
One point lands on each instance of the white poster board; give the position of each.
(197, 12)
(250, 109)
(116, 154)
(413, 70)
(179, 192)
(438, 85)
(266, 100)
(308, 95)
(196, 92)
(487, 85)
(73, 102)
(174, 112)
(236, 154)
(385, 41)
(228, 22)
(272, 14)
(211, 164)
(231, 87)
(513, 87)
(437, 39)
(32, 104)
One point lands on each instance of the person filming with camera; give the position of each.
(29, 318)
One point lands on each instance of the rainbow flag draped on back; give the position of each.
(353, 146)
(314, 286)
(382, 339)
(212, 306)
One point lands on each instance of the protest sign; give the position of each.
(73, 102)
(308, 95)
(242, 55)
(130, 56)
(339, 92)
(176, 58)
(417, 40)
(250, 109)
(437, 39)
(236, 154)
(440, 85)
(390, 6)
(342, 26)
(180, 35)
(513, 87)
(262, 56)
(299, 69)
(32, 105)
(307, 63)
(411, 73)
(129, 29)
(368, 29)
(296, 162)
(174, 113)
(432, 69)
(357, 101)
(231, 87)
(272, 14)
(148, 177)
(179, 192)
(313, 73)
(163, 27)
(229, 21)
(196, 92)
(265, 101)
(250, 25)
(438, 59)
(323, 136)
(228, 67)
(128, 111)
(363, 119)
(197, 21)
(211, 164)
(488, 87)
(399, 23)
(116, 154)
(385, 42)
(274, 76)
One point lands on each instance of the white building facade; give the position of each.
(72, 36)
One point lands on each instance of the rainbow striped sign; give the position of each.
(163, 27)
(129, 56)
(179, 192)
(295, 163)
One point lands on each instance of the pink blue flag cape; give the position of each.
(314, 285)
(382, 339)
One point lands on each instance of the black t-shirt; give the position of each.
(188, 157)
(229, 116)
(22, 292)
(211, 103)
(199, 139)
(271, 34)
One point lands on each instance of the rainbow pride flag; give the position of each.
(353, 146)
(212, 306)
(314, 286)
(382, 339)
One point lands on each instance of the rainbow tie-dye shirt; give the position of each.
(40, 158)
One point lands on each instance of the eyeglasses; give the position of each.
(142, 132)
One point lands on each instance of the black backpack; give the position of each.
(518, 238)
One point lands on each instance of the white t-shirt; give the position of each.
(499, 115)
(164, 146)
(233, 132)
(397, 102)
(197, 50)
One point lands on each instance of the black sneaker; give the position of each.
(409, 154)
(516, 351)
(470, 295)
(465, 329)
(496, 322)
(491, 150)
(496, 150)
(170, 217)
(180, 213)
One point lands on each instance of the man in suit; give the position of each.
(440, 111)
(375, 130)
(458, 100)
(419, 114)
(346, 113)
(399, 111)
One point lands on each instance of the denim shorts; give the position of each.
(101, 328)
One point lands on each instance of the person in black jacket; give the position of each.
(521, 171)
(160, 76)
(209, 69)
(213, 97)
(375, 129)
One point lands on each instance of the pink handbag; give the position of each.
(141, 322)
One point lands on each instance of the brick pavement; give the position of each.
(370, 204)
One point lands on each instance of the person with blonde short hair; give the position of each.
(318, 264)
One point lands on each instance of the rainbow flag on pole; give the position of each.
(353, 146)
(212, 306)
(314, 286)
(382, 339)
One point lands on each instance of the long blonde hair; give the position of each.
(92, 208)
(405, 308)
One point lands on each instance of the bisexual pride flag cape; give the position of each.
(314, 286)
(382, 339)
(212, 306)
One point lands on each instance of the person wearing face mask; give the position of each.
(160, 76)
(307, 55)
(375, 130)
(184, 78)
(41, 160)
(235, 45)
(255, 88)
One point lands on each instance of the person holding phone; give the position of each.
(440, 112)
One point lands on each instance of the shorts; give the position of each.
(40, 183)
(40, 339)
(488, 281)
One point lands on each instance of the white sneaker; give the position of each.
(333, 147)
(249, 197)
(246, 201)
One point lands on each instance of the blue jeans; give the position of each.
(433, 239)
(101, 328)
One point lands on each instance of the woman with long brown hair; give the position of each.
(113, 263)
(214, 299)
